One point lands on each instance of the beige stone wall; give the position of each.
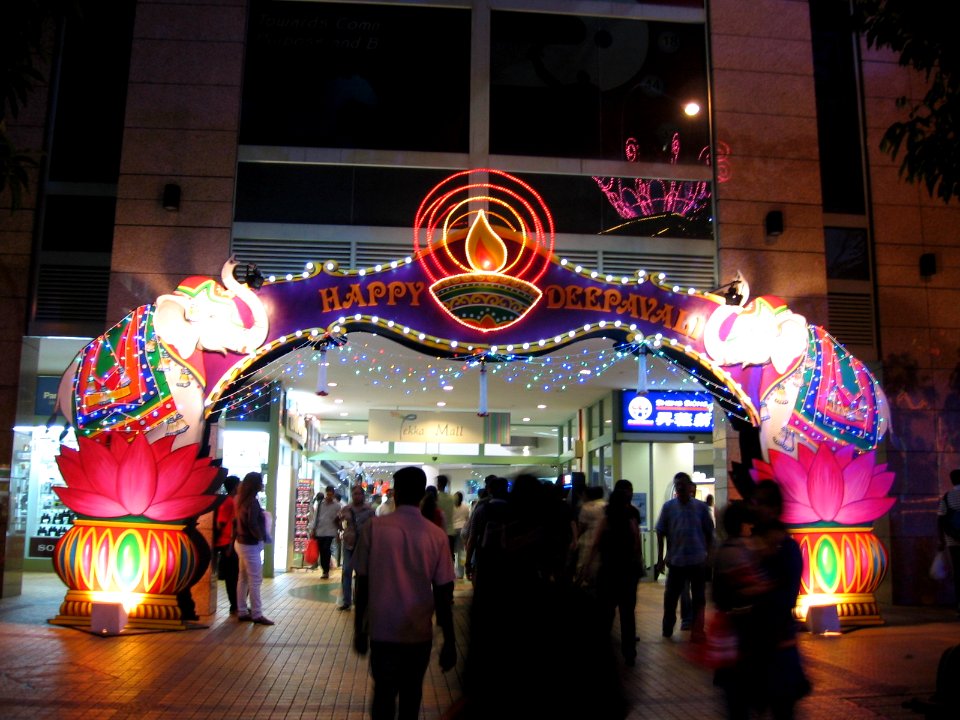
(765, 111)
(919, 335)
(182, 120)
(16, 240)
(182, 123)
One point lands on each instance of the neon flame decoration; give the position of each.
(645, 198)
(449, 207)
(484, 246)
(485, 250)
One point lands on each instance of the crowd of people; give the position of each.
(552, 569)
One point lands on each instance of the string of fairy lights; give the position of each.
(356, 358)
(383, 370)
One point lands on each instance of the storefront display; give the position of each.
(36, 510)
(301, 532)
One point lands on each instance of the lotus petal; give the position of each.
(856, 478)
(164, 446)
(846, 455)
(172, 472)
(791, 477)
(198, 482)
(761, 471)
(864, 511)
(99, 466)
(72, 469)
(90, 504)
(805, 456)
(825, 484)
(118, 447)
(180, 508)
(880, 484)
(137, 477)
(796, 514)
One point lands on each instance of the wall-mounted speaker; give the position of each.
(928, 264)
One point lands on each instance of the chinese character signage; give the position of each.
(666, 412)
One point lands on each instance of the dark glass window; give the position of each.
(838, 118)
(625, 206)
(389, 197)
(78, 223)
(357, 76)
(569, 86)
(848, 256)
(332, 195)
(91, 93)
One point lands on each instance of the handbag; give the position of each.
(312, 554)
(940, 567)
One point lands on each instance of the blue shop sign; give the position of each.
(46, 398)
(661, 411)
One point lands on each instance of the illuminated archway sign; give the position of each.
(483, 285)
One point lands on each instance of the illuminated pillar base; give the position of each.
(853, 609)
(842, 566)
(146, 612)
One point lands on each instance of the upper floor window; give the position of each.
(595, 87)
(340, 75)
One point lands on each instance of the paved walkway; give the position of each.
(303, 666)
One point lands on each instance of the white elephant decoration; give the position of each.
(806, 387)
(146, 374)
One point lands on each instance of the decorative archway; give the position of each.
(482, 284)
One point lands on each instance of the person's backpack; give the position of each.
(494, 537)
(951, 525)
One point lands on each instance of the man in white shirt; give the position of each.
(326, 526)
(387, 506)
(404, 574)
(446, 503)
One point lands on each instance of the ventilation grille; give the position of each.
(369, 254)
(72, 293)
(279, 257)
(851, 318)
(685, 270)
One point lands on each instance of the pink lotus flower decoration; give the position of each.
(136, 478)
(840, 487)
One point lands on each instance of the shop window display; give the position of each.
(36, 511)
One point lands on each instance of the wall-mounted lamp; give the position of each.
(773, 223)
(171, 197)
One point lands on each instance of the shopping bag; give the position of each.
(312, 553)
(940, 567)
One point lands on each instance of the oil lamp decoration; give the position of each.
(130, 545)
(484, 245)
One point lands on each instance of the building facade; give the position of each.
(287, 131)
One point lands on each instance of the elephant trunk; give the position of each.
(257, 333)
